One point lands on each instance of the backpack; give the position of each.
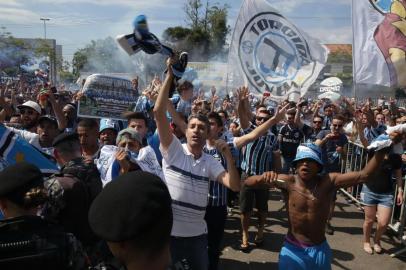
(88, 174)
(29, 242)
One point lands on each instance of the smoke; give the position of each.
(106, 57)
(18, 58)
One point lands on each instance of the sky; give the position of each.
(74, 23)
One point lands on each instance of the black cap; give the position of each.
(49, 118)
(66, 136)
(130, 206)
(17, 176)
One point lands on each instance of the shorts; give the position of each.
(247, 196)
(293, 257)
(370, 198)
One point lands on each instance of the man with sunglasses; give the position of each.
(332, 143)
(258, 157)
(30, 112)
(312, 132)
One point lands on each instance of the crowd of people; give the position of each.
(153, 191)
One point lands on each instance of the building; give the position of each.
(55, 61)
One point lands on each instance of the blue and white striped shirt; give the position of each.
(257, 155)
(188, 180)
(217, 191)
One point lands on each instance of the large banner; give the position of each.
(106, 97)
(380, 42)
(270, 54)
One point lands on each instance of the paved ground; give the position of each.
(346, 242)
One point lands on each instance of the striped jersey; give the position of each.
(257, 155)
(217, 191)
(188, 179)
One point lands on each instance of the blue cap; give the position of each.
(106, 123)
(308, 151)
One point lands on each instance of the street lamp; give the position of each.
(45, 27)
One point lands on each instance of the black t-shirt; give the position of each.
(309, 133)
(291, 138)
(381, 181)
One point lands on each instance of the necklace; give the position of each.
(312, 193)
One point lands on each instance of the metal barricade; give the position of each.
(355, 159)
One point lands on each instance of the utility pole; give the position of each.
(45, 26)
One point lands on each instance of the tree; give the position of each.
(193, 13)
(206, 34)
(218, 29)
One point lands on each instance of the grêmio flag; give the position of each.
(268, 53)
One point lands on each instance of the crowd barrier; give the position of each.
(354, 160)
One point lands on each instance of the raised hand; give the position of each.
(213, 91)
(243, 93)
(281, 112)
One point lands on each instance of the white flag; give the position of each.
(379, 28)
(146, 160)
(269, 53)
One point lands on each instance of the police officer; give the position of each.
(72, 191)
(133, 214)
(28, 241)
(69, 157)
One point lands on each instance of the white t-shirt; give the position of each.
(31, 137)
(187, 179)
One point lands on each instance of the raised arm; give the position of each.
(239, 142)
(58, 111)
(176, 118)
(162, 123)
(231, 178)
(352, 178)
(6, 108)
(244, 112)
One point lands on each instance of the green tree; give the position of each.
(206, 32)
(218, 28)
(79, 61)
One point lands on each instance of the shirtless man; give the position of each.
(309, 196)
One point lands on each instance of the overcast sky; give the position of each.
(74, 23)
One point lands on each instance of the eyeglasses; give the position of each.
(27, 111)
(259, 119)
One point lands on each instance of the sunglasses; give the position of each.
(317, 122)
(27, 111)
(339, 126)
(259, 119)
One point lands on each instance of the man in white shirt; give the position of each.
(187, 171)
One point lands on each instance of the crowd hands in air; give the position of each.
(202, 154)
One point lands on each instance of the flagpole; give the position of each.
(231, 42)
(352, 52)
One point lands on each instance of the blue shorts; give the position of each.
(370, 198)
(293, 257)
